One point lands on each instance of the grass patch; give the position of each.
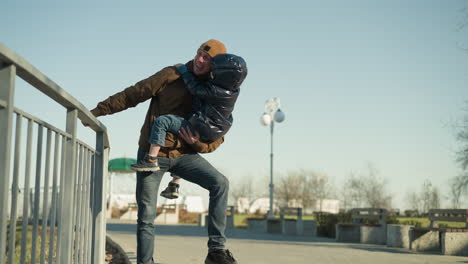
(29, 232)
(240, 220)
(424, 222)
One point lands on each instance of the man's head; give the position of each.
(207, 50)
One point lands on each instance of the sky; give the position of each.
(380, 82)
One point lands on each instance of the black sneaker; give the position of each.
(221, 256)
(171, 191)
(149, 163)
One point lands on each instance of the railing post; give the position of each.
(66, 218)
(7, 90)
(99, 204)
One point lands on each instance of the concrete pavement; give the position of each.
(184, 244)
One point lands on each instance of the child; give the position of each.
(213, 102)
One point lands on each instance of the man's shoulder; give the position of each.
(167, 71)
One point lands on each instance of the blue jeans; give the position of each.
(193, 168)
(165, 123)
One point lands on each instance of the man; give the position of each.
(169, 95)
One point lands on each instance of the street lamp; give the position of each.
(271, 115)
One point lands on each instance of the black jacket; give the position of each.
(213, 100)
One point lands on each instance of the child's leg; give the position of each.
(157, 139)
(162, 125)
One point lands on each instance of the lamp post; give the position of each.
(271, 115)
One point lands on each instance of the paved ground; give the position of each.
(183, 244)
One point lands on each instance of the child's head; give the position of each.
(228, 71)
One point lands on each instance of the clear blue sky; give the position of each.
(360, 81)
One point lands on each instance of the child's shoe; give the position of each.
(171, 191)
(149, 163)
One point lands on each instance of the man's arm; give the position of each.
(137, 93)
(202, 147)
(196, 144)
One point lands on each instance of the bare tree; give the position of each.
(243, 189)
(376, 193)
(366, 189)
(458, 189)
(353, 192)
(462, 137)
(319, 189)
(304, 187)
(463, 24)
(459, 184)
(291, 187)
(413, 201)
(427, 198)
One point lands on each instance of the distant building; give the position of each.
(262, 206)
(192, 204)
(243, 205)
(327, 205)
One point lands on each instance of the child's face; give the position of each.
(201, 63)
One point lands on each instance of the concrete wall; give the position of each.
(257, 225)
(274, 226)
(454, 243)
(421, 240)
(230, 221)
(290, 227)
(348, 233)
(373, 235)
(310, 228)
(398, 236)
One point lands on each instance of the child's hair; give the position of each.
(228, 70)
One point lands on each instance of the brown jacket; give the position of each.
(168, 96)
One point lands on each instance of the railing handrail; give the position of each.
(40, 81)
(83, 171)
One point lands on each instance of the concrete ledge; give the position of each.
(274, 226)
(310, 228)
(424, 240)
(348, 233)
(398, 236)
(454, 243)
(290, 227)
(256, 225)
(230, 221)
(202, 219)
(373, 235)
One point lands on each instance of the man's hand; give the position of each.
(187, 136)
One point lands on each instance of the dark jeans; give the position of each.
(192, 168)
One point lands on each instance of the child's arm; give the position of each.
(202, 90)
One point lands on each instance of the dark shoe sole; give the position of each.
(170, 195)
(211, 262)
(146, 169)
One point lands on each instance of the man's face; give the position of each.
(201, 63)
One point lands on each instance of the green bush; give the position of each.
(411, 222)
(326, 222)
(392, 221)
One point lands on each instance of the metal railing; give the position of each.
(71, 176)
